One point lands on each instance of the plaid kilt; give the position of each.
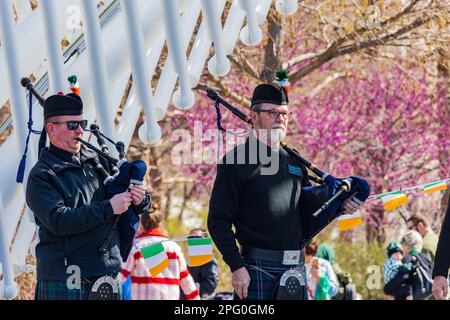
(261, 283)
(58, 290)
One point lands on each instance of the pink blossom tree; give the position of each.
(364, 98)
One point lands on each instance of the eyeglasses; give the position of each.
(73, 124)
(274, 114)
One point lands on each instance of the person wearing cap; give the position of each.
(394, 261)
(72, 212)
(391, 269)
(413, 278)
(257, 190)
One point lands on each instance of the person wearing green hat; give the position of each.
(394, 261)
(392, 266)
(347, 289)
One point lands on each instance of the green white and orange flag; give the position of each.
(349, 221)
(393, 200)
(200, 251)
(156, 258)
(434, 186)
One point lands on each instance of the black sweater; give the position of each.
(261, 203)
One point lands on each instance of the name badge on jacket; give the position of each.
(296, 171)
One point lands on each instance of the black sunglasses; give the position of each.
(73, 124)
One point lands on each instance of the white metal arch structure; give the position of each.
(118, 38)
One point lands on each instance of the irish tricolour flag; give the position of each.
(155, 258)
(393, 200)
(200, 251)
(434, 186)
(349, 221)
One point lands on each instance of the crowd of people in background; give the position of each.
(407, 270)
(409, 266)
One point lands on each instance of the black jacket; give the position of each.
(73, 215)
(442, 258)
(413, 278)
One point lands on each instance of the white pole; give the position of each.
(151, 133)
(183, 98)
(218, 65)
(8, 287)
(19, 107)
(251, 34)
(98, 71)
(54, 53)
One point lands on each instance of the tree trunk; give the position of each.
(274, 46)
(376, 233)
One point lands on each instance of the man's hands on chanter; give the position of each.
(351, 205)
(121, 201)
(241, 280)
(440, 287)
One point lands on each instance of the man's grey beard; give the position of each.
(279, 133)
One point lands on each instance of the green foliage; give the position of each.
(356, 258)
(281, 75)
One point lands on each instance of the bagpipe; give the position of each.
(124, 174)
(322, 203)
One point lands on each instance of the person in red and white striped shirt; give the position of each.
(166, 285)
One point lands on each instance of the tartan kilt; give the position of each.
(261, 284)
(58, 290)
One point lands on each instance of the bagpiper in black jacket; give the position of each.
(73, 215)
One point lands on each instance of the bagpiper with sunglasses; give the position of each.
(72, 212)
